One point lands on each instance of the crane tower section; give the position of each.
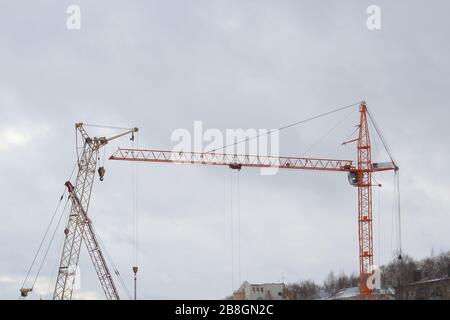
(364, 174)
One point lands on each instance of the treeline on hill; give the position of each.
(432, 267)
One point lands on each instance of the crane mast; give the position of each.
(79, 227)
(364, 174)
(87, 164)
(360, 176)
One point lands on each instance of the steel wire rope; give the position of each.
(108, 256)
(286, 126)
(318, 141)
(50, 243)
(47, 230)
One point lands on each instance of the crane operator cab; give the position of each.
(353, 178)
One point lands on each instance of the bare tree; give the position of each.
(305, 290)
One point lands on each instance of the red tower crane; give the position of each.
(360, 176)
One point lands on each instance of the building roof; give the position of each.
(354, 292)
(246, 283)
(344, 294)
(428, 281)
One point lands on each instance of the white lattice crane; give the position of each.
(79, 227)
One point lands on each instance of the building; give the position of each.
(424, 288)
(264, 291)
(435, 289)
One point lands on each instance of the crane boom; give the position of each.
(93, 247)
(87, 163)
(234, 161)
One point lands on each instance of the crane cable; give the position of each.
(396, 214)
(46, 233)
(351, 135)
(380, 134)
(53, 274)
(379, 255)
(235, 233)
(134, 217)
(231, 230)
(76, 145)
(379, 202)
(135, 209)
(378, 211)
(43, 240)
(111, 262)
(287, 126)
(239, 226)
(399, 215)
(51, 242)
(318, 141)
(105, 126)
(396, 219)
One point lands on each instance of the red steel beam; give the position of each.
(233, 161)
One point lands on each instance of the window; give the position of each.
(436, 293)
(420, 294)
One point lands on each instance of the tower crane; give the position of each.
(359, 175)
(79, 227)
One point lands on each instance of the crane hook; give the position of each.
(101, 172)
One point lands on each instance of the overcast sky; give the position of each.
(160, 66)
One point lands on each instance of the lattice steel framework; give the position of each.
(87, 163)
(94, 250)
(364, 174)
(234, 161)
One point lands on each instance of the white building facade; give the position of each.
(264, 291)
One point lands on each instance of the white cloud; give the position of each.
(4, 279)
(86, 295)
(20, 136)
